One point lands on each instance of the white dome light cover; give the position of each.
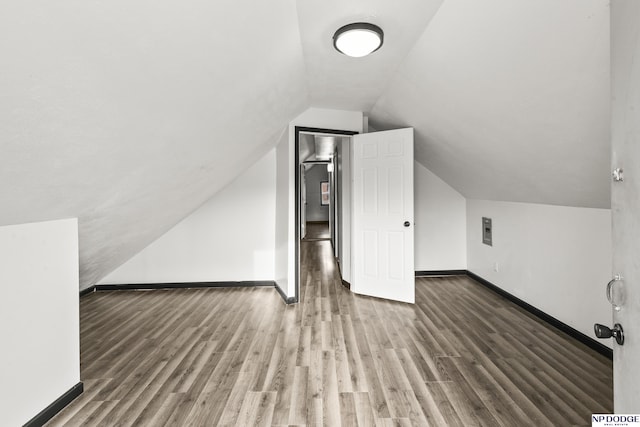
(358, 39)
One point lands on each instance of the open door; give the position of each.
(382, 254)
(625, 202)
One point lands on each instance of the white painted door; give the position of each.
(382, 255)
(625, 199)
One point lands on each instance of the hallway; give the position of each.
(238, 356)
(317, 231)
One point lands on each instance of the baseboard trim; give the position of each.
(182, 285)
(89, 290)
(435, 273)
(287, 300)
(58, 405)
(558, 324)
(189, 285)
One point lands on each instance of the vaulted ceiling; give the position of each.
(510, 100)
(130, 114)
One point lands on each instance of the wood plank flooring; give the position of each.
(318, 230)
(461, 356)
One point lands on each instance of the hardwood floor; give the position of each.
(461, 356)
(317, 231)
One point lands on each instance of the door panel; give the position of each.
(383, 264)
(625, 199)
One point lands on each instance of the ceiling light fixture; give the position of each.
(358, 39)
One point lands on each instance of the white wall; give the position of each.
(284, 193)
(441, 223)
(285, 213)
(39, 317)
(230, 238)
(556, 258)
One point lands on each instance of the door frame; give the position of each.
(625, 130)
(297, 131)
(303, 206)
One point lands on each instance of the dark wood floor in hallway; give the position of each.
(461, 356)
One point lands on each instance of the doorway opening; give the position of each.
(322, 186)
(318, 200)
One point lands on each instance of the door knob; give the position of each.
(407, 223)
(617, 305)
(617, 333)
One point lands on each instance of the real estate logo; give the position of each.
(615, 420)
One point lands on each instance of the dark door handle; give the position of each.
(602, 331)
(407, 223)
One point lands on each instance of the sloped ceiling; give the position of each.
(510, 100)
(130, 114)
(337, 81)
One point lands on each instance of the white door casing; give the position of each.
(625, 199)
(382, 256)
(303, 201)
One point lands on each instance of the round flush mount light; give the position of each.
(358, 39)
